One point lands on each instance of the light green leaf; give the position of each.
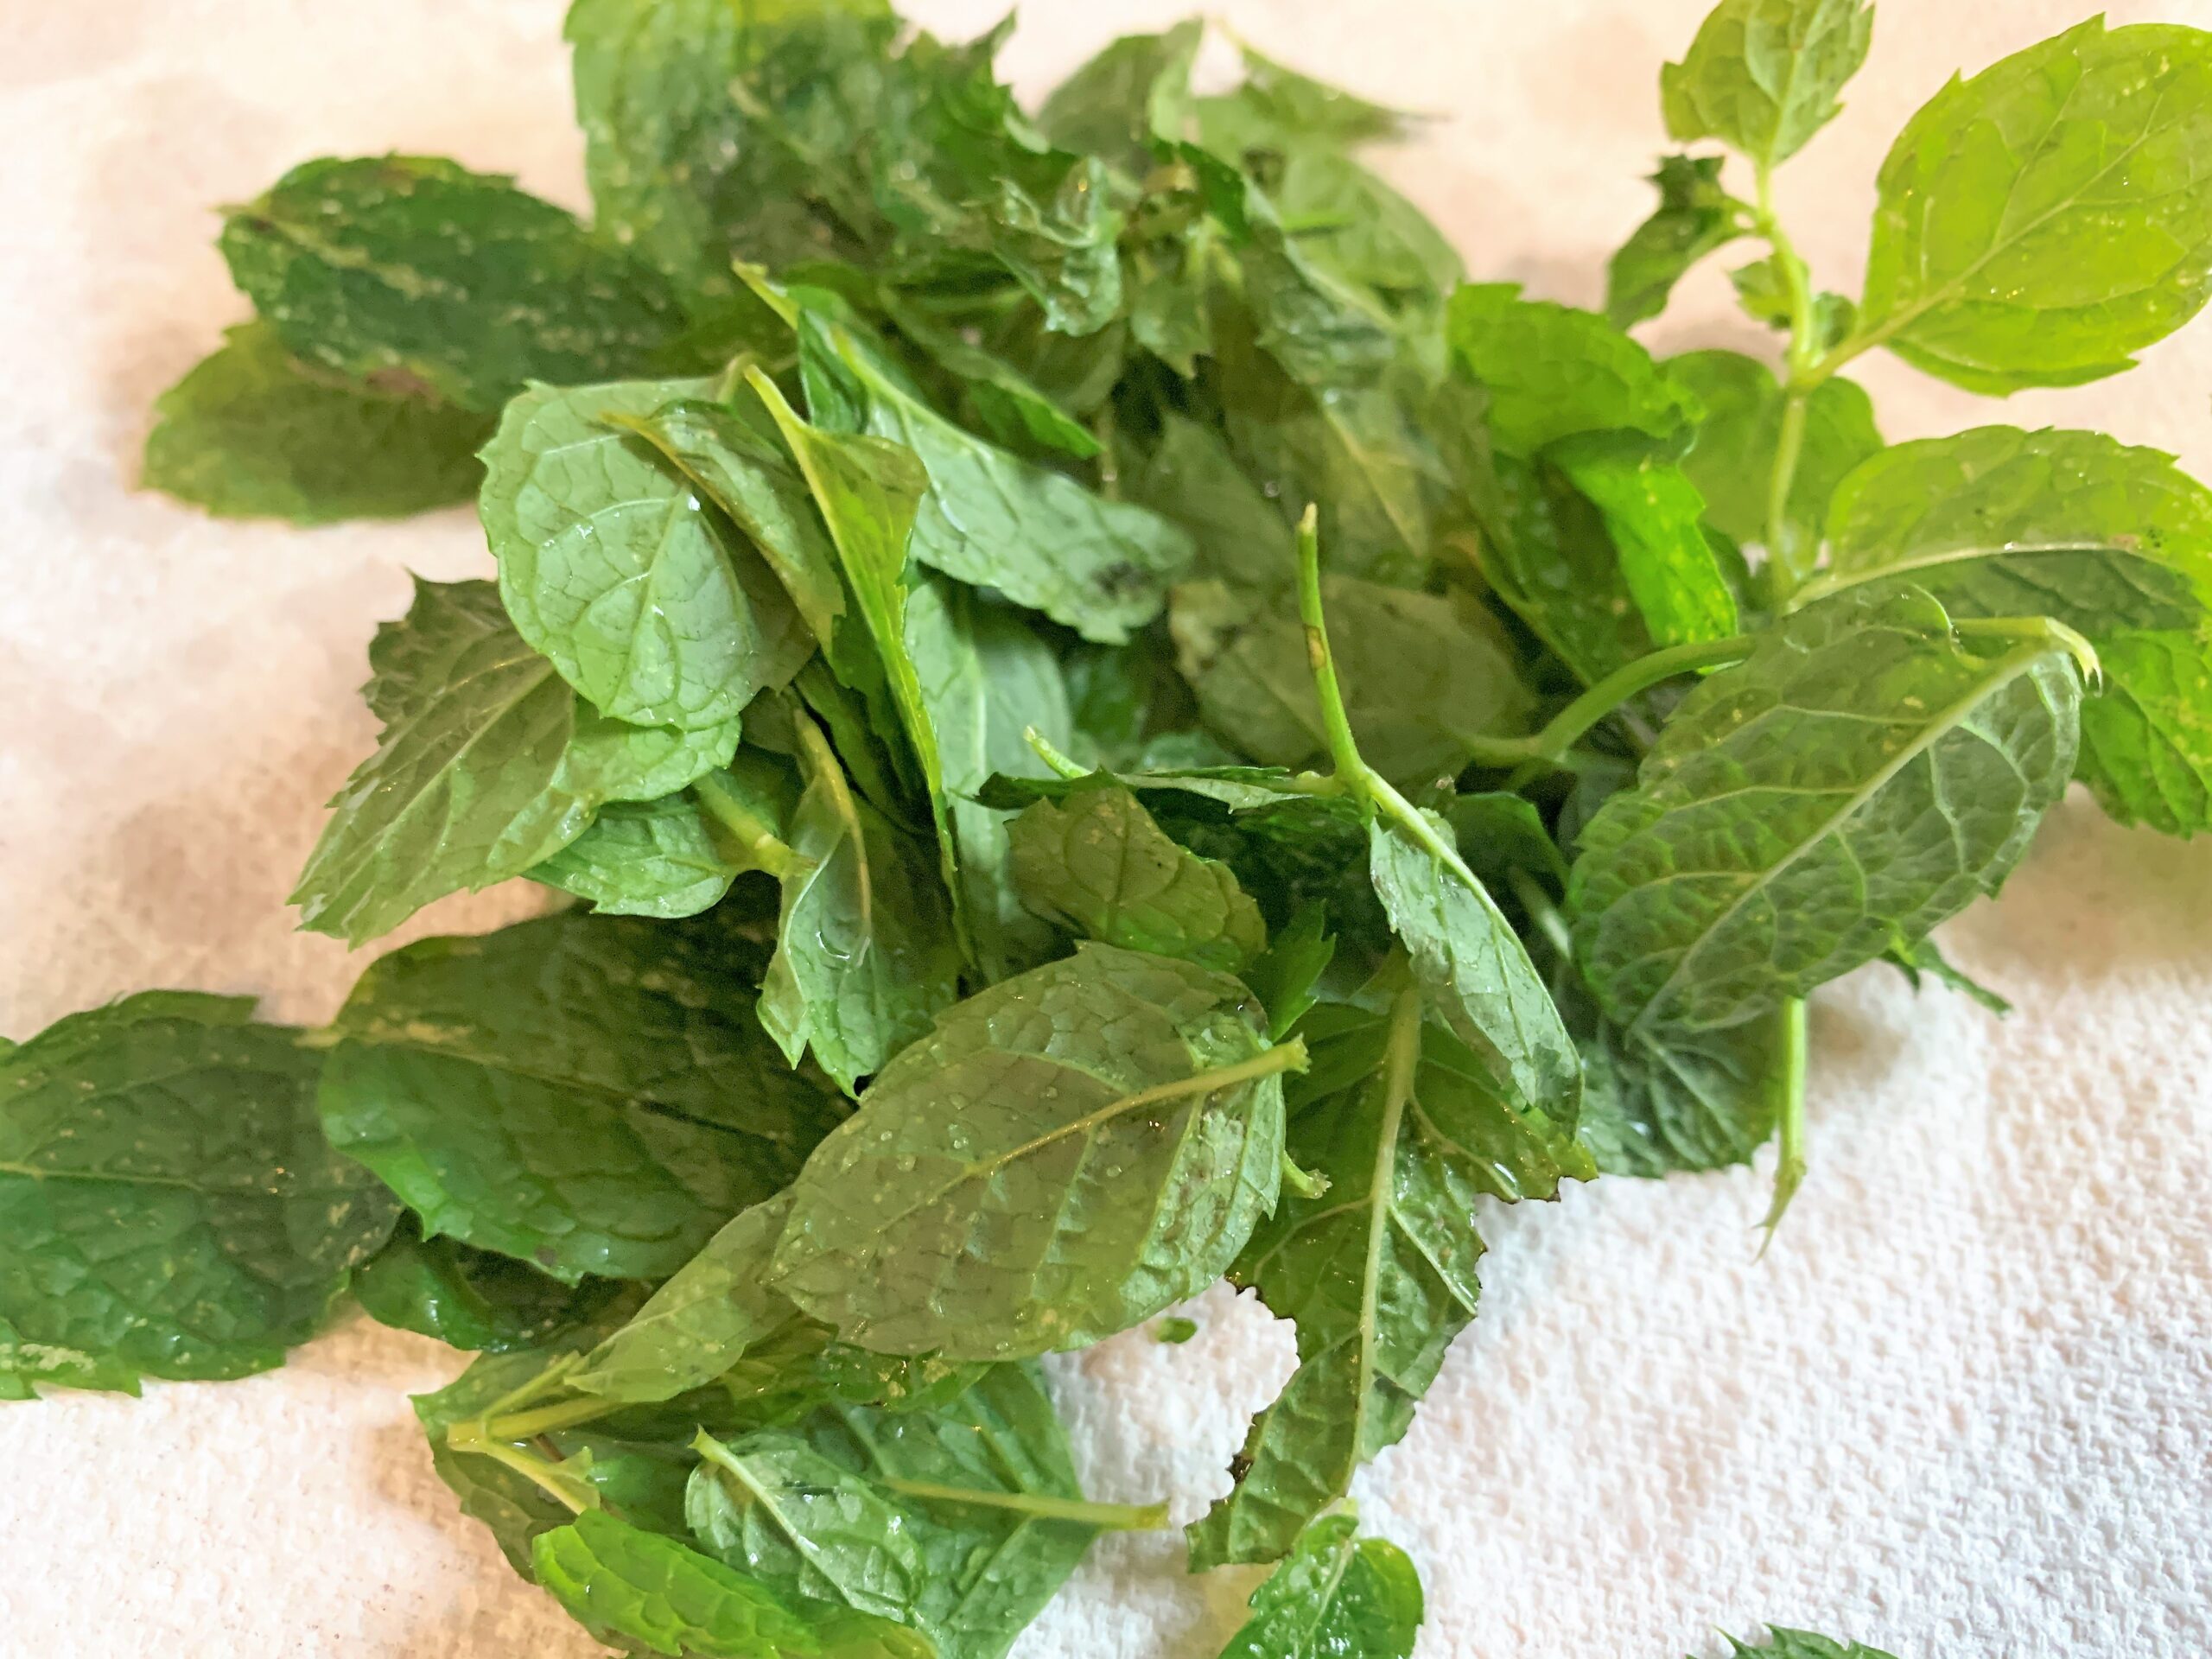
(1335, 1594)
(1136, 91)
(1762, 288)
(1378, 1271)
(646, 858)
(645, 597)
(2043, 220)
(1100, 865)
(991, 518)
(1552, 372)
(1763, 75)
(1290, 102)
(1863, 776)
(1423, 674)
(2114, 541)
(866, 951)
(1112, 1123)
(1803, 1645)
(1651, 511)
(412, 274)
(488, 765)
(588, 1094)
(251, 432)
(168, 1207)
(1475, 974)
(638, 1588)
(1732, 461)
(1695, 215)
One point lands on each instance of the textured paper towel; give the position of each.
(1964, 1409)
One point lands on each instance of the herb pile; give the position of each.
(1110, 722)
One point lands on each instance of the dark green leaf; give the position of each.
(1378, 1271)
(253, 433)
(1110, 1123)
(635, 1587)
(1691, 1100)
(1294, 103)
(468, 1298)
(1862, 777)
(2112, 540)
(168, 1207)
(489, 764)
(647, 858)
(1336, 1594)
(1553, 372)
(1694, 216)
(990, 517)
(1013, 410)
(1241, 536)
(1135, 93)
(1651, 511)
(411, 274)
(1732, 461)
(2045, 220)
(590, 1094)
(1763, 75)
(1102, 866)
(1925, 960)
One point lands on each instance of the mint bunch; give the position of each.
(1104, 720)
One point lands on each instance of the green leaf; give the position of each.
(1762, 288)
(588, 1094)
(488, 766)
(631, 1587)
(1425, 675)
(2114, 541)
(1762, 76)
(645, 596)
(1475, 974)
(168, 1207)
(1112, 1123)
(1553, 371)
(646, 858)
(468, 1298)
(1803, 1645)
(1294, 103)
(1287, 976)
(251, 432)
(866, 952)
(990, 517)
(1925, 961)
(701, 121)
(1102, 868)
(1734, 458)
(1691, 1100)
(1695, 215)
(987, 678)
(413, 274)
(2041, 221)
(1863, 776)
(1651, 511)
(1005, 402)
(1191, 478)
(1378, 1271)
(1335, 1594)
(1136, 92)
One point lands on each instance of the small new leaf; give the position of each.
(1695, 215)
(1762, 76)
(1335, 1594)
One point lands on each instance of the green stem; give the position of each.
(526, 1424)
(1542, 912)
(1551, 745)
(2045, 630)
(545, 1473)
(1335, 723)
(1070, 769)
(762, 845)
(1783, 569)
(1788, 1084)
(1304, 1183)
(1108, 1517)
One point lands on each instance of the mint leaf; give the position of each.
(1553, 371)
(1862, 777)
(1763, 75)
(468, 1298)
(866, 951)
(413, 274)
(1732, 461)
(632, 1586)
(2040, 222)
(646, 598)
(2115, 541)
(1763, 289)
(1692, 1100)
(1008, 405)
(1335, 1594)
(1135, 93)
(488, 766)
(646, 858)
(1379, 1272)
(1112, 1121)
(990, 517)
(1192, 477)
(1651, 511)
(1695, 215)
(590, 1095)
(253, 433)
(1101, 866)
(167, 1206)
(1803, 1645)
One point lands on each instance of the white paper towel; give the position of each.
(1963, 1410)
